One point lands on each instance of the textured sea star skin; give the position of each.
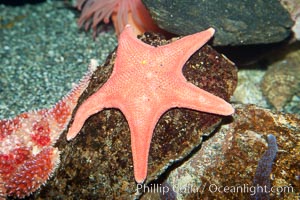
(27, 155)
(146, 82)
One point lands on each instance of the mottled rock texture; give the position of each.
(281, 82)
(230, 157)
(97, 164)
(236, 22)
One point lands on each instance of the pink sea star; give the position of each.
(144, 84)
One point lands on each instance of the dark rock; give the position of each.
(230, 158)
(236, 22)
(97, 164)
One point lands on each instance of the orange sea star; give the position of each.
(146, 82)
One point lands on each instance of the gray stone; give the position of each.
(236, 22)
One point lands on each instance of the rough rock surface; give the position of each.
(281, 81)
(236, 22)
(230, 157)
(97, 164)
(248, 90)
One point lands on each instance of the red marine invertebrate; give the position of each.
(122, 12)
(27, 155)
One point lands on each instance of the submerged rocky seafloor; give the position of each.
(197, 151)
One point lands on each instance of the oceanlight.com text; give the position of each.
(245, 188)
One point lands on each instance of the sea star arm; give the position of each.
(141, 125)
(183, 48)
(190, 96)
(92, 105)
